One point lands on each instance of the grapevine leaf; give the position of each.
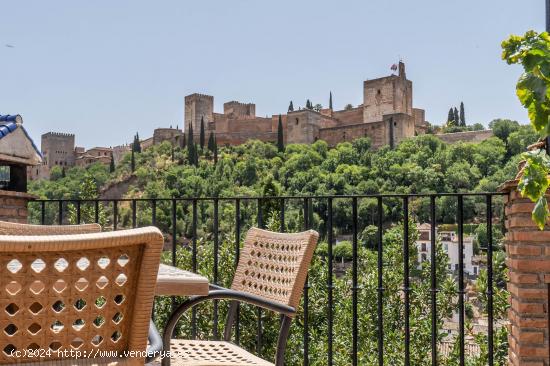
(540, 212)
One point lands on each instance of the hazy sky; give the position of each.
(106, 69)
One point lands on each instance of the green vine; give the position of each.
(532, 51)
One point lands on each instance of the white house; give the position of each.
(449, 240)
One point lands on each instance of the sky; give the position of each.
(105, 70)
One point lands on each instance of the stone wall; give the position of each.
(469, 136)
(238, 109)
(351, 116)
(167, 134)
(303, 126)
(237, 138)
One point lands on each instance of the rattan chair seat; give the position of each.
(211, 353)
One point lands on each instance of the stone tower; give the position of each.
(58, 149)
(198, 106)
(387, 95)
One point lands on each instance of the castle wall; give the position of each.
(303, 126)
(167, 134)
(392, 94)
(349, 117)
(469, 136)
(238, 109)
(237, 138)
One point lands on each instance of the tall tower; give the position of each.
(387, 95)
(198, 106)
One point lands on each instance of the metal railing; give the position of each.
(400, 204)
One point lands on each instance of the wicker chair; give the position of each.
(271, 273)
(86, 292)
(11, 228)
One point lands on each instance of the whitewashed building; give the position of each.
(449, 241)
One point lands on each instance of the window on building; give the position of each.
(297, 120)
(423, 247)
(424, 257)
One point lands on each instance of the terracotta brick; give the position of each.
(527, 307)
(539, 236)
(533, 338)
(525, 249)
(524, 278)
(529, 265)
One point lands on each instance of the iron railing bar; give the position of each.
(174, 243)
(490, 346)
(306, 205)
(259, 310)
(433, 278)
(216, 263)
(406, 280)
(96, 211)
(43, 213)
(330, 319)
(134, 213)
(237, 258)
(380, 289)
(460, 220)
(194, 264)
(60, 213)
(78, 213)
(354, 284)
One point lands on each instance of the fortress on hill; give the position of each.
(386, 116)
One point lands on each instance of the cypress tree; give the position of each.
(202, 134)
(63, 172)
(196, 155)
(183, 141)
(211, 141)
(215, 151)
(280, 139)
(450, 117)
(112, 165)
(190, 135)
(456, 118)
(330, 101)
(191, 152)
(308, 104)
(137, 143)
(133, 161)
(291, 107)
(462, 115)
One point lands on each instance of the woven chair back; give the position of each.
(85, 293)
(274, 265)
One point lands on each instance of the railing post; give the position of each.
(528, 261)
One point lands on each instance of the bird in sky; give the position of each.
(10, 46)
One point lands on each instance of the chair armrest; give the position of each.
(154, 348)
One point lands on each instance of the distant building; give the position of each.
(449, 241)
(386, 116)
(58, 149)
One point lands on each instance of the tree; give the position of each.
(280, 137)
(215, 151)
(462, 115)
(456, 117)
(211, 141)
(133, 161)
(308, 104)
(330, 101)
(137, 144)
(195, 155)
(202, 136)
(451, 118)
(502, 128)
(191, 153)
(63, 172)
(112, 164)
(291, 107)
(183, 141)
(317, 107)
(348, 107)
(190, 135)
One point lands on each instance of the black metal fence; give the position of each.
(313, 211)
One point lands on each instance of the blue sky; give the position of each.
(106, 69)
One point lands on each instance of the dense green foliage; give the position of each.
(532, 51)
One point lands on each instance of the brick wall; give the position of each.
(528, 261)
(13, 206)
